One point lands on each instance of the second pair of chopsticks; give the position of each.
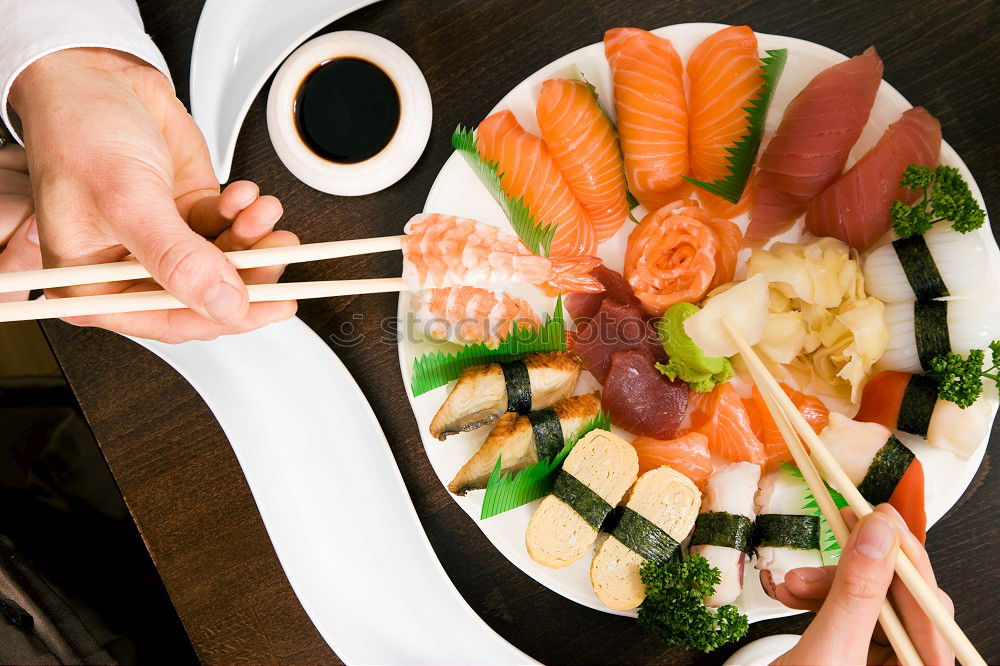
(140, 301)
(793, 426)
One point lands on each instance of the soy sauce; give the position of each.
(347, 110)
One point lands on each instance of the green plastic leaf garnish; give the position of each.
(436, 369)
(505, 491)
(829, 548)
(536, 236)
(744, 151)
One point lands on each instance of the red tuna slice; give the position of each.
(855, 208)
(616, 328)
(812, 143)
(640, 399)
(583, 306)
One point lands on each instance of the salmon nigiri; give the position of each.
(812, 409)
(688, 454)
(855, 208)
(529, 171)
(725, 77)
(652, 114)
(812, 143)
(583, 144)
(721, 416)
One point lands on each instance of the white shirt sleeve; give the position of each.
(30, 29)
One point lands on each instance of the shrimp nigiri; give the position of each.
(787, 535)
(725, 77)
(447, 251)
(583, 143)
(467, 315)
(882, 468)
(529, 171)
(652, 114)
(723, 531)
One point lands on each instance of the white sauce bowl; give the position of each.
(392, 162)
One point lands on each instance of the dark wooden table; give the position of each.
(178, 473)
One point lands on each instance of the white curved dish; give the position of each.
(237, 45)
(457, 191)
(332, 499)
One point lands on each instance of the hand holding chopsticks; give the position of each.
(818, 458)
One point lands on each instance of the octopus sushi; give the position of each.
(786, 534)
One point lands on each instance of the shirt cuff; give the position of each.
(31, 30)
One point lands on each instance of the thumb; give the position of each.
(842, 630)
(187, 265)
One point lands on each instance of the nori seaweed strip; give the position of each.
(548, 433)
(930, 330)
(721, 528)
(581, 499)
(917, 406)
(642, 536)
(887, 468)
(515, 376)
(918, 265)
(782, 530)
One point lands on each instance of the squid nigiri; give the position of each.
(652, 113)
(941, 262)
(725, 76)
(786, 535)
(582, 141)
(921, 330)
(528, 171)
(447, 251)
(467, 315)
(881, 466)
(910, 403)
(723, 533)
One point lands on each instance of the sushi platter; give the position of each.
(860, 334)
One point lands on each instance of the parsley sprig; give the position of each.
(960, 380)
(945, 197)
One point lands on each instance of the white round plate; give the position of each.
(457, 191)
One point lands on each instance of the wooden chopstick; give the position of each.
(901, 643)
(925, 596)
(69, 276)
(141, 301)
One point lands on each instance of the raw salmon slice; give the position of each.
(812, 143)
(529, 171)
(855, 208)
(652, 114)
(583, 144)
(724, 72)
(812, 409)
(721, 416)
(688, 454)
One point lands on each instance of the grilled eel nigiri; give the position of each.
(520, 441)
(484, 392)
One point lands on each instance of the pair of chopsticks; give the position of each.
(140, 301)
(793, 426)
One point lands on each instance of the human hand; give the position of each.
(119, 168)
(848, 598)
(18, 232)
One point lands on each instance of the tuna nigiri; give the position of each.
(786, 534)
(583, 144)
(652, 114)
(910, 403)
(721, 416)
(855, 207)
(725, 76)
(529, 171)
(468, 315)
(688, 454)
(882, 468)
(723, 531)
(812, 143)
(775, 450)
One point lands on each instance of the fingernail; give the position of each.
(810, 575)
(32, 233)
(223, 302)
(876, 538)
